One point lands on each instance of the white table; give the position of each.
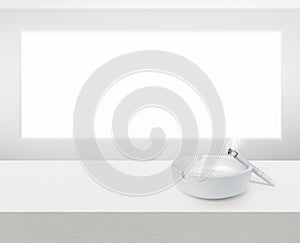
(63, 186)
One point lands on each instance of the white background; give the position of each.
(245, 67)
(149, 4)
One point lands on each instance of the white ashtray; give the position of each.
(228, 177)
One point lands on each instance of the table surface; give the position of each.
(64, 186)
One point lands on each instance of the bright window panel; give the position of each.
(245, 68)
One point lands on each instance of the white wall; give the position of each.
(149, 4)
